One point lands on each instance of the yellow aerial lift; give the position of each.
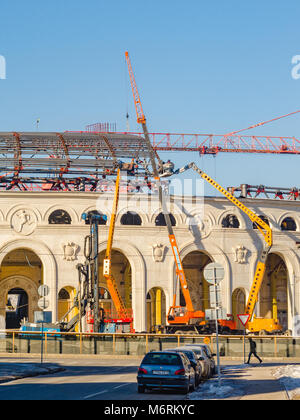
(254, 324)
(124, 316)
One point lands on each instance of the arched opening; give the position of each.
(66, 298)
(273, 296)
(121, 271)
(156, 308)
(160, 220)
(238, 305)
(288, 224)
(131, 218)
(194, 264)
(264, 219)
(59, 217)
(16, 308)
(20, 276)
(230, 222)
(102, 221)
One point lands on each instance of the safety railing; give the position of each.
(57, 343)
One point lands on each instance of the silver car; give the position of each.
(203, 359)
(209, 353)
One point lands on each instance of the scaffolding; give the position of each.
(70, 161)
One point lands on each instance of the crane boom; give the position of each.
(258, 323)
(142, 120)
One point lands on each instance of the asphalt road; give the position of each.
(84, 379)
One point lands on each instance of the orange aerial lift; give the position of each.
(124, 315)
(254, 324)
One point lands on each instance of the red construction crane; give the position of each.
(212, 144)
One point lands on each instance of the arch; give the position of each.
(230, 221)
(216, 254)
(264, 219)
(288, 216)
(131, 218)
(138, 280)
(73, 214)
(238, 305)
(59, 217)
(290, 258)
(16, 207)
(233, 212)
(65, 301)
(48, 264)
(288, 224)
(194, 264)
(273, 295)
(18, 282)
(17, 308)
(156, 308)
(160, 220)
(102, 222)
(176, 215)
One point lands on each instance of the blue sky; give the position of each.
(201, 67)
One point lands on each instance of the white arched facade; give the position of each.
(147, 247)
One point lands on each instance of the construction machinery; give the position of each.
(254, 324)
(123, 322)
(179, 318)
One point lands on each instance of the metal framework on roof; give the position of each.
(69, 161)
(254, 191)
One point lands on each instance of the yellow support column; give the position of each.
(274, 298)
(158, 307)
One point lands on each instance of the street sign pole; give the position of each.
(42, 342)
(43, 291)
(244, 318)
(213, 274)
(217, 329)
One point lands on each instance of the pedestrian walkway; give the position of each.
(258, 383)
(12, 370)
(243, 382)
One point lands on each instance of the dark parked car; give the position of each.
(209, 353)
(166, 369)
(191, 355)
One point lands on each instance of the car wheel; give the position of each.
(141, 389)
(193, 386)
(185, 390)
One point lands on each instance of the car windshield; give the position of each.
(162, 359)
(189, 354)
(197, 351)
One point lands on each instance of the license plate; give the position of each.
(160, 372)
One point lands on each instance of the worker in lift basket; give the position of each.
(166, 168)
(253, 351)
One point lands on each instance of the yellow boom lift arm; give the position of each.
(255, 324)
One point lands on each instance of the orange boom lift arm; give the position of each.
(122, 313)
(188, 312)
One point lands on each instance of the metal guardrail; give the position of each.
(15, 342)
